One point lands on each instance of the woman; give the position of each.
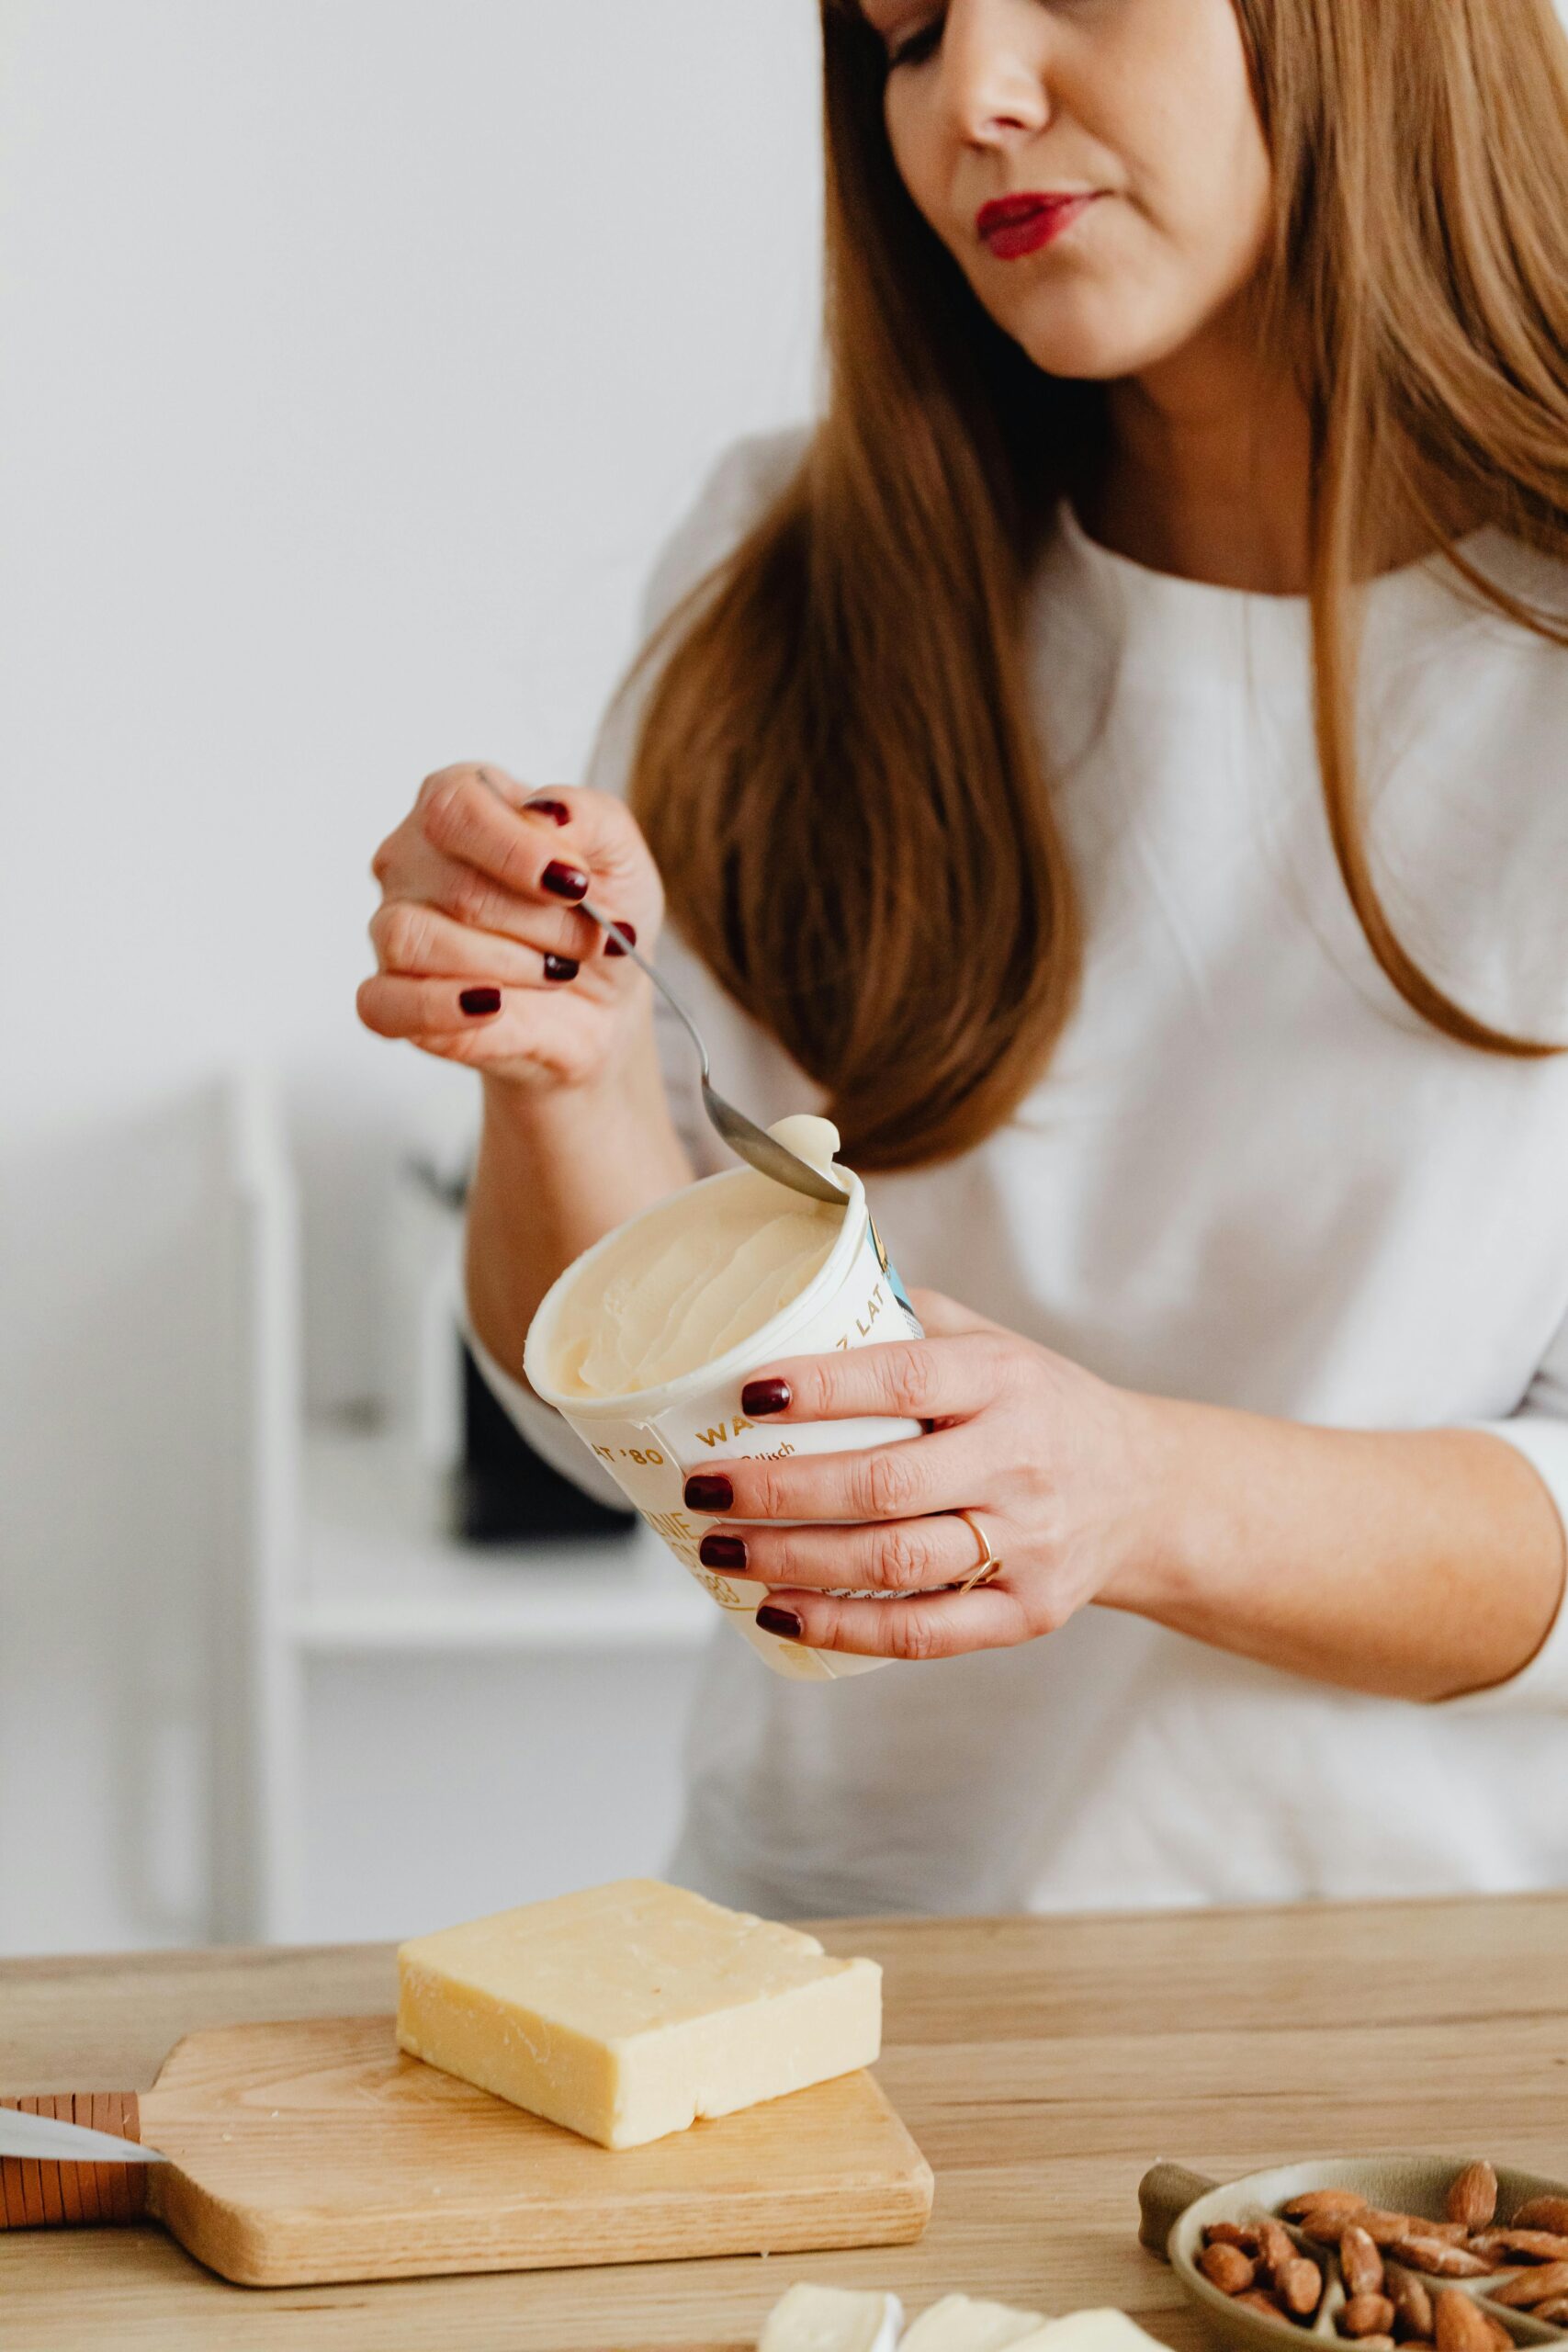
(1113, 765)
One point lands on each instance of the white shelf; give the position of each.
(379, 1575)
(333, 1550)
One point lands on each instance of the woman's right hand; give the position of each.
(482, 958)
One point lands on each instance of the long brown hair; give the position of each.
(838, 766)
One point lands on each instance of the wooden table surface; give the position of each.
(1040, 2064)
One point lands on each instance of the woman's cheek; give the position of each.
(917, 155)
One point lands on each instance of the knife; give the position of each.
(50, 2142)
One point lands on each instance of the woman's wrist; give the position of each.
(1169, 1520)
(582, 1132)
(629, 1085)
(1414, 1564)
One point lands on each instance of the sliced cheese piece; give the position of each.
(831, 2319)
(628, 2010)
(964, 2324)
(1091, 2331)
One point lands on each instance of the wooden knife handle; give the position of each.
(1164, 2194)
(38, 2195)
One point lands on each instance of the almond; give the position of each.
(1411, 2300)
(1472, 2196)
(1255, 2300)
(1500, 2336)
(1231, 2233)
(1521, 2245)
(1461, 2327)
(1226, 2268)
(1441, 2258)
(1299, 2284)
(1376, 2344)
(1327, 2226)
(1366, 2315)
(1276, 2247)
(1556, 2311)
(1543, 2213)
(1386, 2229)
(1320, 2200)
(1526, 2288)
(1360, 2262)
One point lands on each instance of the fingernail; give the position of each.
(556, 809)
(477, 1001)
(761, 1396)
(709, 1493)
(560, 968)
(722, 1552)
(566, 881)
(613, 945)
(782, 1622)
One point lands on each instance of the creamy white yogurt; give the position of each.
(692, 1280)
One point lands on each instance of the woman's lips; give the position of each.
(1012, 226)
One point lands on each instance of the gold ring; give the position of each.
(989, 1565)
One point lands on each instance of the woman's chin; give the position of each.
(1092, 341)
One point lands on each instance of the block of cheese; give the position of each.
(1091, 2331)
(831, 2319)
(965, 2323)
(626, 2011)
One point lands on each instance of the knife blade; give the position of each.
(52, 2141)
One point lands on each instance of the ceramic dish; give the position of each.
(1178, 2206)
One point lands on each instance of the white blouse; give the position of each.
(1251, 1175)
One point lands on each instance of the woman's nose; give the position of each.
(995, 69)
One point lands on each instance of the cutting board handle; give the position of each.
(34, 2195)
(1164, 2192)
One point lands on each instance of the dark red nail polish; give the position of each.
(477, 1001)
(706, 1492)
(760, 1396)
(560, 968)
(556, 809)
(782, 1622)
(722, 1552)
(564, 881)
(613, 945)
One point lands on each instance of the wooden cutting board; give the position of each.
(315, 2151)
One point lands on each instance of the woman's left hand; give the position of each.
(1059, 1469)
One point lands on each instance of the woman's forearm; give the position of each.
(558, 1168)
(1414, 1565)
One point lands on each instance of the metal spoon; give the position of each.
(744, 1136)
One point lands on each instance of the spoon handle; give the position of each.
(607, 924)
(744, 1136)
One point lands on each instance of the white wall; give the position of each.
(357, 356)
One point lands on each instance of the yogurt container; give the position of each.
(649, 1438)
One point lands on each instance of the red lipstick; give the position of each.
(1015, 225)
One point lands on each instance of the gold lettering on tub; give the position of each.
(873, 1307)
(725, 1594)
(725, 1429)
